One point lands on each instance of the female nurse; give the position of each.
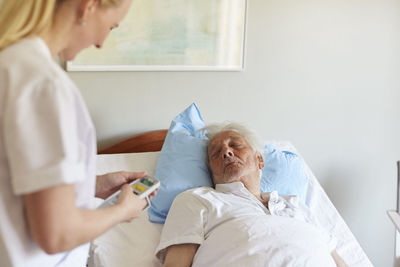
(47, 139)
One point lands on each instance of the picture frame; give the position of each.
(172, 35)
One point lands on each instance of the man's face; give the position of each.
(232, 159)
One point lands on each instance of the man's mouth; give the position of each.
(230, 163)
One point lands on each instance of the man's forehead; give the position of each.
(225, 135)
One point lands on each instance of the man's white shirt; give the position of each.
(233, 228)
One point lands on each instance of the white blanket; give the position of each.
(234, 229)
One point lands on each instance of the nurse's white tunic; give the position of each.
(46, 138)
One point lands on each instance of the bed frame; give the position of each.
(144, 142)
(394, 215)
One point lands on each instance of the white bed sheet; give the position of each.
(134, 243)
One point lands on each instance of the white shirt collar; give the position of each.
(239, 186)
(41, 46)
(230, 187)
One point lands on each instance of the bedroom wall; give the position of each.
(322, 74)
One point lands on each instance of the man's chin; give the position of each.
(232, 170)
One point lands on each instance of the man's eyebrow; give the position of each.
(231, 137)
(237, 138)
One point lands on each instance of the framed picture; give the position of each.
(183, 35)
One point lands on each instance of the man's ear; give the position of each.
(260, 161)
(87, 7)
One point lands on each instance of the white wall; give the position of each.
(323, 74)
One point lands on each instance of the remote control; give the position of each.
(141, 187)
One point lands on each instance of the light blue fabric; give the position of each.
(182, 161)
(283, 172)
(182, 165)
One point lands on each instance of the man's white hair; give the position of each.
(251, 138)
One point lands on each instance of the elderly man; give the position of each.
(237, 225)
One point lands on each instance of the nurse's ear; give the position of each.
(86, 8)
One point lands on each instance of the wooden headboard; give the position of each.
(144, 142)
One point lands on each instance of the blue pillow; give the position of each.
(182, 161)
(182, 165)
(283, 172)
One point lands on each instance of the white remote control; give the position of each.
(141, 187)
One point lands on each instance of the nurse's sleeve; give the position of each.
(41, 138)
(185, 223)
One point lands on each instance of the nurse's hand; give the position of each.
(131, 205)
(109, 183)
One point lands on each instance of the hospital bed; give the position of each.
(134, 243)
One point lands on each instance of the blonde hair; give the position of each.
(24, 18)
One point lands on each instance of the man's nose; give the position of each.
(227, 153)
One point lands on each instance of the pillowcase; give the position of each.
(182, 161)
(283, 172)
(182, 165)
